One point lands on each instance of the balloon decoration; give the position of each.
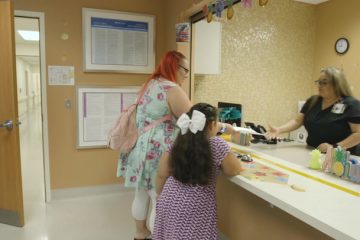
(209, 16)
(247, 3)
(230, 9)
(205, 10)
(262, 3)
(218, 6)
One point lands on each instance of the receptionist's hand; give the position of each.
(323, 147)
(272, 132)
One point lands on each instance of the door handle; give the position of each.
(8, 124)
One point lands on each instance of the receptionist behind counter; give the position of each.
(331, 118)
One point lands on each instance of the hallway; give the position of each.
(105, 216)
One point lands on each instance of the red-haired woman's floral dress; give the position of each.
(139, 167)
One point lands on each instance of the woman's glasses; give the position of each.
(186, 70)
(322, 82)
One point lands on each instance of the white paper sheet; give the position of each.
(247, 130)
(61, 75)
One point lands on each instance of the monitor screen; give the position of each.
(230, 113)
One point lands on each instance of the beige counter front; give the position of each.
(251, 210)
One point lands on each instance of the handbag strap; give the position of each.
(155, 123)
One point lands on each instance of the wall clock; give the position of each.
(342, 45)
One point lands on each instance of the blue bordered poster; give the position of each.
(118, 41)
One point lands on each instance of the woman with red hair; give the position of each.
(161, 96)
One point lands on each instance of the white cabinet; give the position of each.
(207, 46)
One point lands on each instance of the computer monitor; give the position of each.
(230, 113)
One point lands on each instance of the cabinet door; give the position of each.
(207, 47)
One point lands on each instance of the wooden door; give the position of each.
(11, 197)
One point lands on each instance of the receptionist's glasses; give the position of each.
(322, 82)
(186, 70)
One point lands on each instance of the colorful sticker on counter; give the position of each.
(260, 172)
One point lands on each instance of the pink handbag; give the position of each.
(124, 134)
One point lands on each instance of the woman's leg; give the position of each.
(139, 211)
(153, 196)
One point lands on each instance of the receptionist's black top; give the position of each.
(324, 126)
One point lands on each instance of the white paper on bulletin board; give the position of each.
(98, 110)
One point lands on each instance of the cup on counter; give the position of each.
(242, 139)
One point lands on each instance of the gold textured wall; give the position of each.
(267, 61)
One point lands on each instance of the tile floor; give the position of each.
(97, 217)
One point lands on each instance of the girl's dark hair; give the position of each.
(191, 158)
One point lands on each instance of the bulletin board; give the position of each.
(118, 41)
(97, 111)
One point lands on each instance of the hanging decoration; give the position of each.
(230, 9)
(209, 16)
(262, 3)
(219, 7)
(205, 10)
(247, 3)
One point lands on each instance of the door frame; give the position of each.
(44, 114)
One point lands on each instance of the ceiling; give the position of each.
(312, 1)
(28, 24)
(32, 60)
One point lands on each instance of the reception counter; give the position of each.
(312, 205)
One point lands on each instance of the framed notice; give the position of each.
(118, 41)
(182, 32)
(97, 112)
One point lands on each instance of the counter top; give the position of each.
(329, 204)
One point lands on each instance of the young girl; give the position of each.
(186, 179)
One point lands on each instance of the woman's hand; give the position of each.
(230, 129)
(323, 147)
(272, 132)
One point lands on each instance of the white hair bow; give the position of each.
(196, 123)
